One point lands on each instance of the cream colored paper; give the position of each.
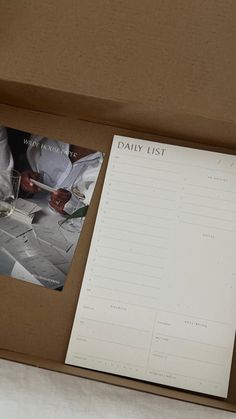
(158, 295)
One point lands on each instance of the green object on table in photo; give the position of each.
(74, 222)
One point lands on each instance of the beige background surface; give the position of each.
(27, 393)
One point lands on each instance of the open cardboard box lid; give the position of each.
(159, 67)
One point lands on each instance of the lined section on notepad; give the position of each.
(157, 301)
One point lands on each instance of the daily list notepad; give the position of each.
(158, 296)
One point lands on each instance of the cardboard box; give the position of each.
(82, 71)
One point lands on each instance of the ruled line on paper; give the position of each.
(113, 342)
(209, 207)
(109, 217)
(138, 233)
(134, 174)
(147, 185)
(182, 375)
(207, 226)
(128, 282)
(210, 188)
(131, 241)
(187, 358)
(105, 359)
(134, 202)
(192, 316)
(208, 216)
(125, 291)
(132, 252)
(191, 340)
(131, 262)
(142, 214)
(209, 197)
(141, 195)
(149, 308)
(156, 169)
(114, 324)
(127, 271)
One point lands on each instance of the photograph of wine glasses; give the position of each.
(46, 187)
(9, 190)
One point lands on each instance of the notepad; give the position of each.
(158, 296)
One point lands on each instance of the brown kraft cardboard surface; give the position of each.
(82, 71)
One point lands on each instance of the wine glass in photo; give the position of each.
(9, 190)
(74, 221)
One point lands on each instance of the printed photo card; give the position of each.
(46, 187)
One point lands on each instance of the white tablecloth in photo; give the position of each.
(46, 217)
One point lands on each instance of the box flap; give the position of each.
(142, 64)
